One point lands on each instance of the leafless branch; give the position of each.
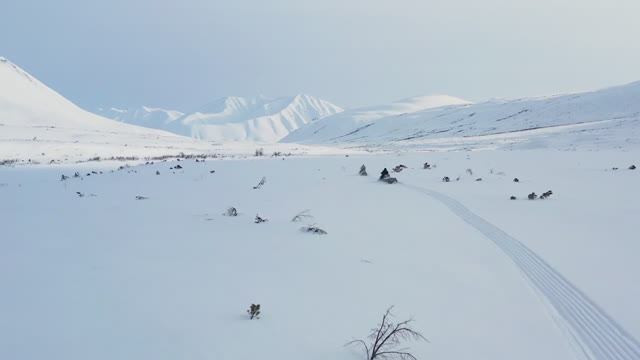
(385, 339)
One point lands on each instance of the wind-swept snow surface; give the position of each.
(603, 118)
(39, 124)
(146, 266)
(234, 118)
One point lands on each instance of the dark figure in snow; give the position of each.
(427, 166)
(384, 174)
(532, 196)
(513, 197)
(446, 179)
(363, 171)
(516, 180)
(632, 167)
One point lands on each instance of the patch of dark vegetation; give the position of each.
(312, 229)
(254, 311)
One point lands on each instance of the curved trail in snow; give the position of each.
(595, 333)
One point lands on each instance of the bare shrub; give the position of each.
(260, 183)
(546, 194)
(386, 340)
(302, 215)
(399, 168)
(313, 230)
(254, 311)
(363, 170)
(231, 212)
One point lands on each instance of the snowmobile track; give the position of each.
(596, 334)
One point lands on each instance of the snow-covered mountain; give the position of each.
(38, 123)
(253, 119)
(610, 115)
(233, 118)
(142, 116)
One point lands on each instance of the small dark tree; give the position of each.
(532, 196)
(363, 170)
(516, 180)
(259, 152)
(469, 172)
(446, 179)
(385, 340)
(254, 311)
(157, 172)
(63, 177)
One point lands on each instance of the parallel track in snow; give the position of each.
(596, 334)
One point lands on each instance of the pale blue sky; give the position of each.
(181, 54)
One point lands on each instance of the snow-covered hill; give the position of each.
(333, 127)
(609, 116)
(142, 116)
(233, 118)
(38, 123)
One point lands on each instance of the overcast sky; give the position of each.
(181, 54)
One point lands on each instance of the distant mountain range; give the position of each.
(233, 118)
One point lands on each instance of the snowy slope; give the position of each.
(332, 127)
(612, 114)
(252, 119)
(170, 277)
(37, 122)
(142, 116)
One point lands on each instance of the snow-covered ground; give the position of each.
(106, 276)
